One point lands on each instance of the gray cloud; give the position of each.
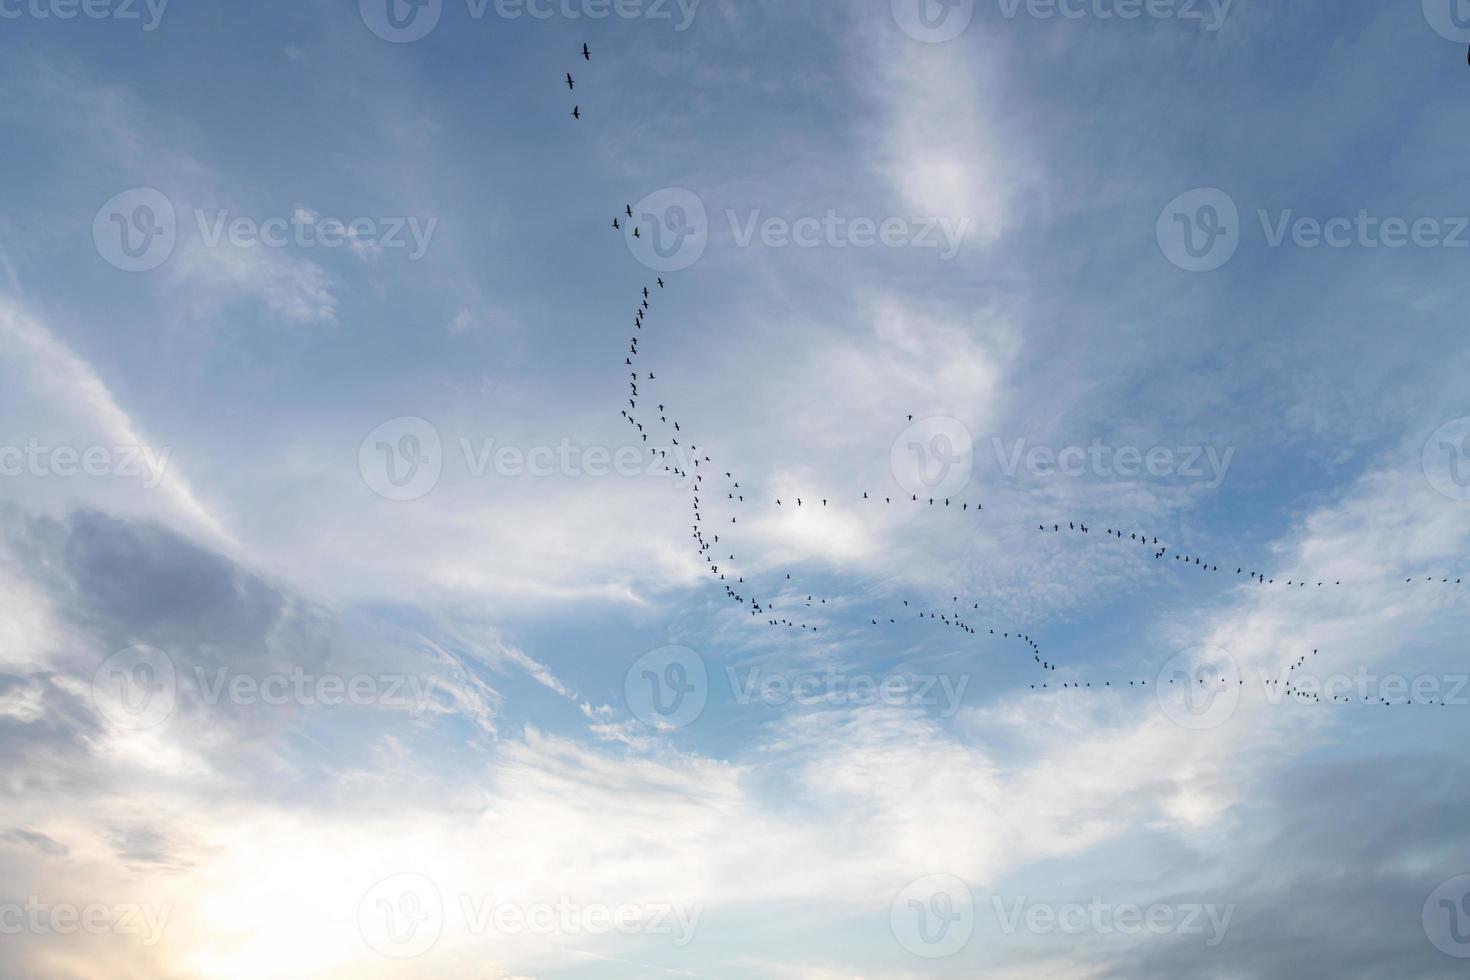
(1337, 889)
(35, 841)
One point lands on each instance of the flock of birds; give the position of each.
(779, 605)
(572, 83)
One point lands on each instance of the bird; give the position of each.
(570, 83)
(586, 54)
(576, 112)
(616, 225)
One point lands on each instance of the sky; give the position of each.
(349, 627)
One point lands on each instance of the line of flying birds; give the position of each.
(572, 82)
(786, 595)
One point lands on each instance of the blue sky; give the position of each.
(360, 624)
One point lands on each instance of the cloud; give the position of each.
(945, 152)
(55, 371)
(31, 839)
(1335, 886)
